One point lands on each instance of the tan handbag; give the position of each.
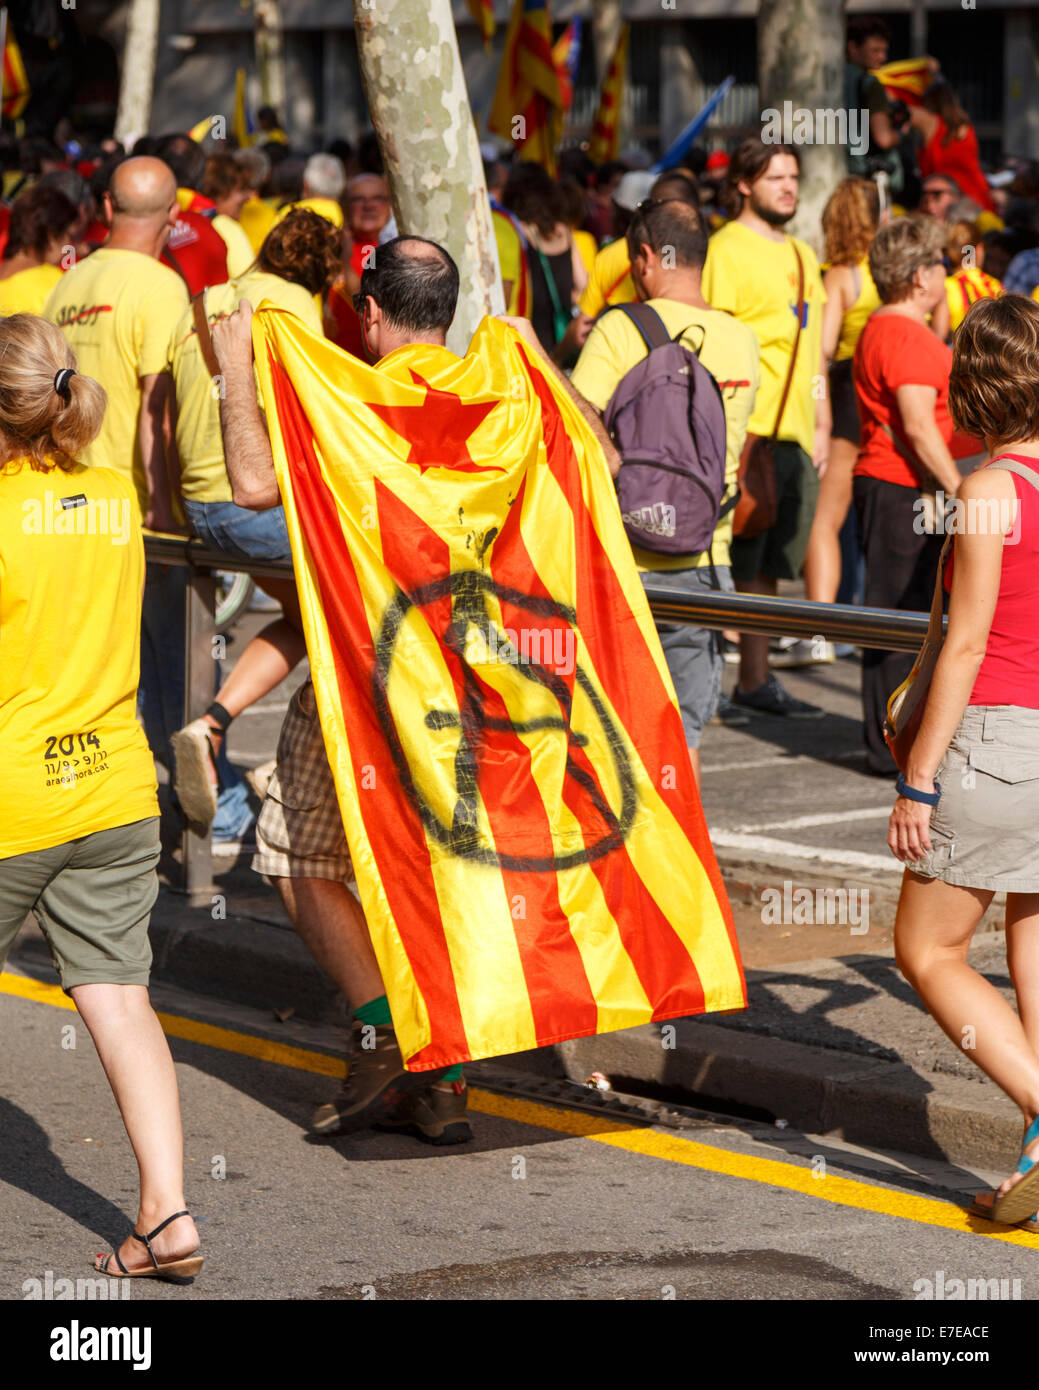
(905, 708)
(757, 501)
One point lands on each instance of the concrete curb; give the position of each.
(863, 1100)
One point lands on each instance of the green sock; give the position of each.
(376, 1012)
(453, 1073)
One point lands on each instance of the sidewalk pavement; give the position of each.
(836, 1043)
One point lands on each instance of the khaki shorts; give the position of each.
(92, 898)
(983, 830)
(299, 833)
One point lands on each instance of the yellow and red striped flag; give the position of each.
(16, 90)
(483, 12)
(606, 128)
(566, 53)
(510, 762)
(906, 79)
(528, 100)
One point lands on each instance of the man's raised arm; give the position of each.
(592, 417)
(247, 449)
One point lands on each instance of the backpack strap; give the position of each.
(205, 338)
(1021, 469)
(651, 327)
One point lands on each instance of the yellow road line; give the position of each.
(846, 1192)
(265, 1050)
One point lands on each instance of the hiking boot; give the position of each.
(435, 1114)
(774, 698)
(374, 1084)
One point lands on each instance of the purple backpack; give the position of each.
(667, 420)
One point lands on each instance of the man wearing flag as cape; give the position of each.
(503, 736)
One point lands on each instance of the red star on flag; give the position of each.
(438, 429)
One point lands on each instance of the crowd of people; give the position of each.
(137, 269)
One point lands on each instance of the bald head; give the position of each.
(413, 284)
(144, 189)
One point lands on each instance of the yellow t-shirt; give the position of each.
(509, 254)
(854, 321)
(71, 576)
(203, 473)
(26, 292)
(256, 219)
(610, 281)
(118, 310)
(327, 208)
(240, 253)
(729, 351)
(587, 249)
(755, 280)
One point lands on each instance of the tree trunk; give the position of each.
(138, 70)
(419, 105)
(801, 61)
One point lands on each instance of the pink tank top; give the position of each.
(1009, 673)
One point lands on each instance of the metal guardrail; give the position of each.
(885, 628)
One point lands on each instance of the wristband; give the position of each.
(913, 794)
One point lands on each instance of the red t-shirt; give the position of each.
(895, 351)
(1009, 672)
(348, 333)
(199, 253)
(958, 159)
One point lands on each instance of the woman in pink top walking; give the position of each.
(966, 822)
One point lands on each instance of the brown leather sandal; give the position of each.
(179, 1271)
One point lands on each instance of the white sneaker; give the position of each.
(802, 651)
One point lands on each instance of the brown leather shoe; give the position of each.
(374, 1084)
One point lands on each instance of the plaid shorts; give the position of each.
(299, 833)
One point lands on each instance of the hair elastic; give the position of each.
(61, 381)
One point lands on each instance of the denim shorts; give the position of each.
(245, 534)
(693, 654)
(983, 830)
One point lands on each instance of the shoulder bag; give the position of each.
(756, 508)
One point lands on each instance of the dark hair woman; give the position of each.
(555, 265)
(950, 144)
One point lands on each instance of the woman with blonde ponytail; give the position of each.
(79, 826)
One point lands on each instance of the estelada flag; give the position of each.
(606, 128)
(483, 12)
(528, 100)
(16, 90)
(566, 53)
(509, 758)
(906, 79)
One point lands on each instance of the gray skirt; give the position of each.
(985, 829)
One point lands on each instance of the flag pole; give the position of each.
(682, 142)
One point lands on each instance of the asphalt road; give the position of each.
(548, 1202)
